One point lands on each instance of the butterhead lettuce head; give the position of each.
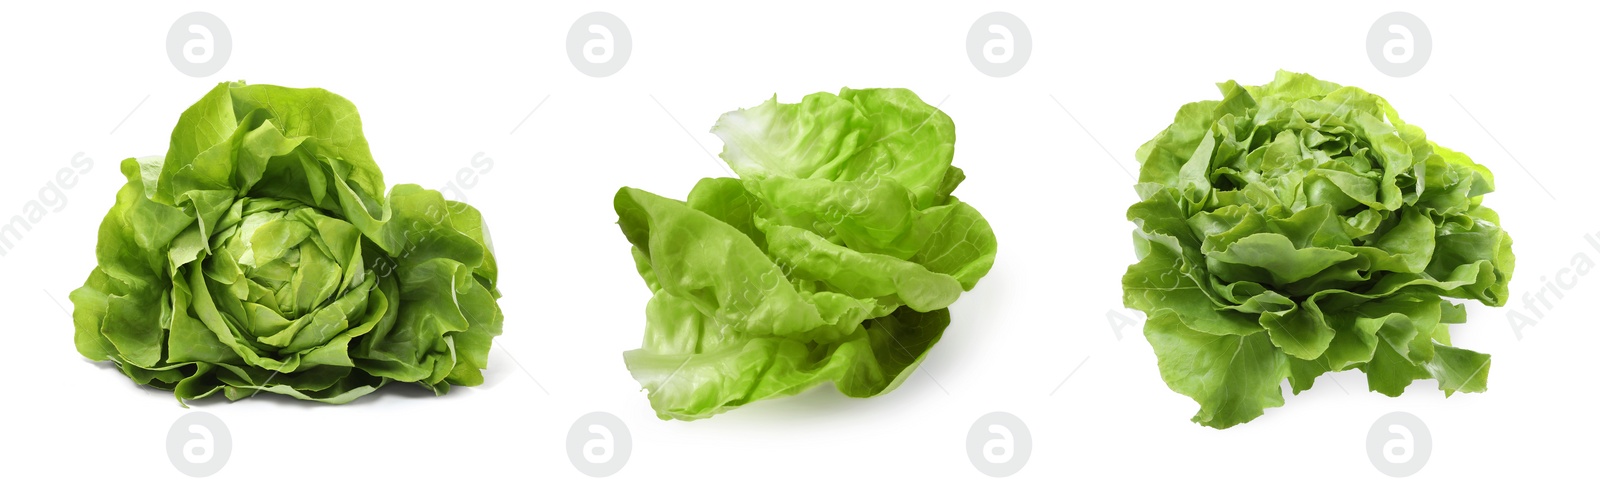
(832, 258)
(262, 254)
(1300, 227)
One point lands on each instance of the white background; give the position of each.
(438, 84)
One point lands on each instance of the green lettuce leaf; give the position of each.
(832, 258)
